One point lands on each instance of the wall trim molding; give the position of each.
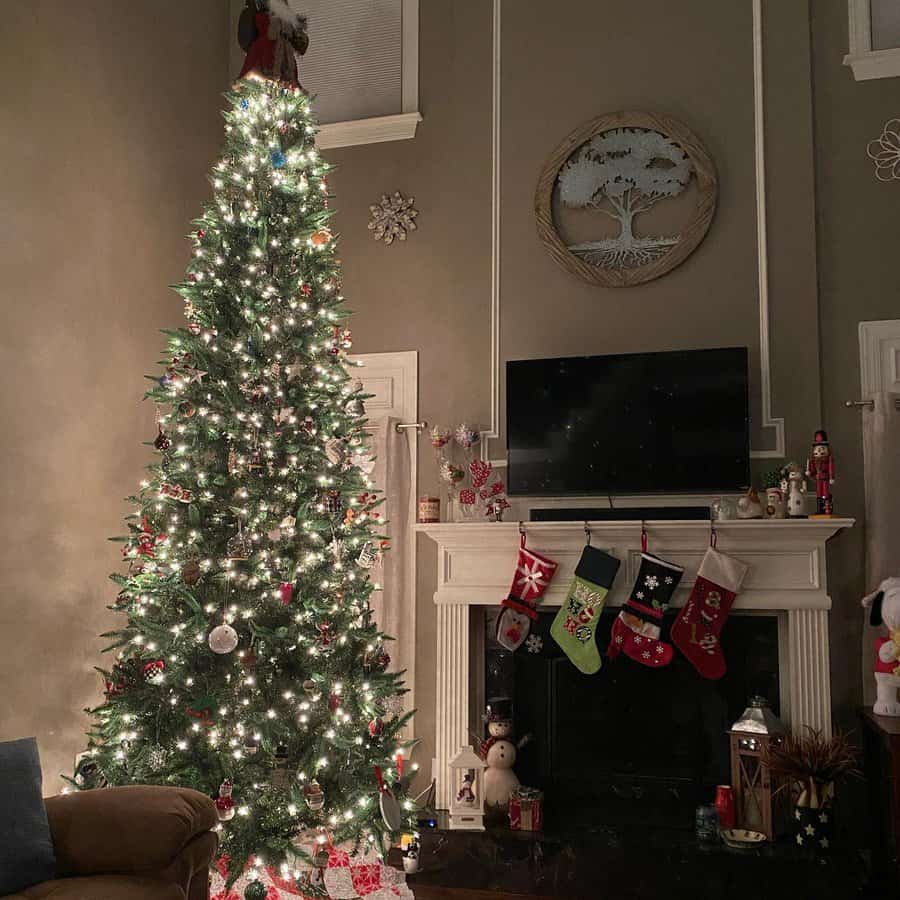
(493, 432)
(768, 420)
(762, 243)
(375, 130)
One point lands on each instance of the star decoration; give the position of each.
(534, 644)
(393, 217)
(823, 817)
(810, 830)
(800, 839)
(824, 843)
(652, 582)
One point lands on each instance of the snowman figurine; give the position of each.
(499, 752)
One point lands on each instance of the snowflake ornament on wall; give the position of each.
(393, 217)
(884, 151)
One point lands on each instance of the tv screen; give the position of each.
(673, 422)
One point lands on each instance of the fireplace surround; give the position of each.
(787, 580)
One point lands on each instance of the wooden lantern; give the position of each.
(467, 803)
(761, 803)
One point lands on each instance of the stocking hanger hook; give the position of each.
(521, 533)
(643, 536)
(587, 532)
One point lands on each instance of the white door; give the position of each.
(879, 359)
(393, 380)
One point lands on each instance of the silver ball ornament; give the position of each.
(223, 639)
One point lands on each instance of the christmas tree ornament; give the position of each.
(332, 502)
(391, 814)
(335, 451)
(163, 442)
(223, 639)
(286, 592)
(355, 405)
(575, 625)
(153, 670)
(239, 546)
(376, 727)
(820, 467)
(233, 465)
(697, 630)
(187, 409)
(156, 758)
(278, 159)
(334, 702)
(310, 688)
(309, 425)
(368, 556)
(191, 572)
(224, 803)
(251, 744)
(314, 795)
(637, 629)
(530, 579)
(256, 890)
(320, 238)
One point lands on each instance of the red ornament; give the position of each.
(324, 633)
(162, 442)
(376, 727)
(334, 702)
(305, 289)
(153, 669)
(191, 277)
(194, 327)
(286, 591)
(224, 803)
(201, 233)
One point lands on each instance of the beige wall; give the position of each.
(110, 119)
(432, 293)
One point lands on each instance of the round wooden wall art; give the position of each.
(625, 198)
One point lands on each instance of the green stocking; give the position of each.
(576, 622)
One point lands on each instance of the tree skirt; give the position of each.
(345, 877)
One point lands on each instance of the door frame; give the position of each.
(400, 369)
(871, 337)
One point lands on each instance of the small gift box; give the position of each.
(526, 809)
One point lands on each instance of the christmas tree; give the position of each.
(248, 665)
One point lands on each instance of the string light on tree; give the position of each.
(248, 664)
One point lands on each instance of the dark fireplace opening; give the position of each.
(628, 745)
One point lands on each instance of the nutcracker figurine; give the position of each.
(820, 466)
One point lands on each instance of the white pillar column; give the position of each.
(809, 684)
(452, 690)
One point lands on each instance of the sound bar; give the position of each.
(622, 514)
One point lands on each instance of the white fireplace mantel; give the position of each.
(787, 578)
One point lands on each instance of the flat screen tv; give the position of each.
(672, 422)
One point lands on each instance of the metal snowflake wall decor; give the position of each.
(393, 217)
(884, 151)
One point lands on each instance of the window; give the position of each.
(363, 67)
(874, 39)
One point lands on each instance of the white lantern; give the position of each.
(467, 803)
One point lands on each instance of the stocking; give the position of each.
(636, 631)
(696, 630)
(533, 574)
(576, 622)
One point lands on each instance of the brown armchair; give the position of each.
(130, 843)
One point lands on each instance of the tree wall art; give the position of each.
(625, 198)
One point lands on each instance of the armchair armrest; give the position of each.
(159, 832)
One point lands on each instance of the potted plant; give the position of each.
(813, 763)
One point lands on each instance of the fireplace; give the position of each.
(785, 590)
(628, 745)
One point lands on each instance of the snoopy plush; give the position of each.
(884, 609)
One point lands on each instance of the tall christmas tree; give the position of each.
(249, 666)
